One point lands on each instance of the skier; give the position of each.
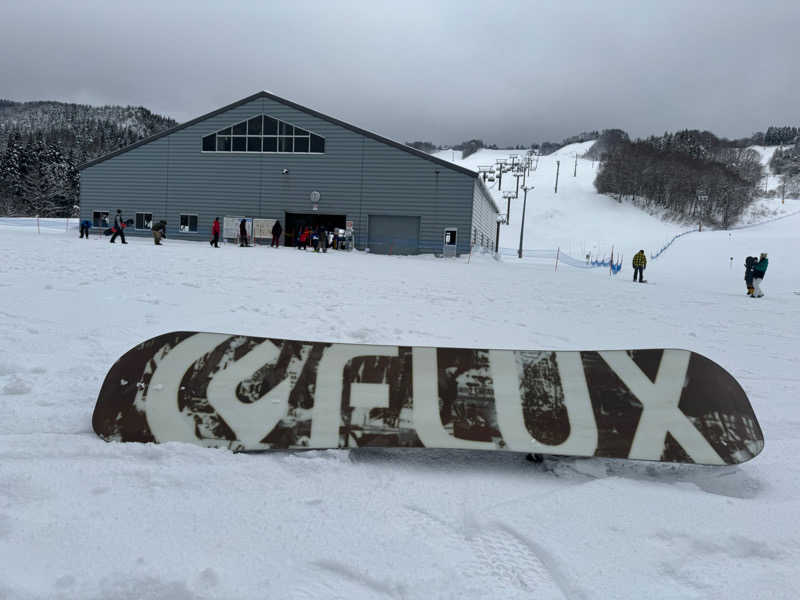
(243, 232)
(119, 225)
(276, 234)
(159, 231)
(302, 242)
(748, 273)
(759, 269)
(215, 233)
(639, 265)
(85, 226)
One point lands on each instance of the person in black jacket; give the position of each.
(243, 232)
(119, 225)
(749, 263)
(159, 231)
(277, 230)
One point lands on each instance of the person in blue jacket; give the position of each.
(86, 224)
(759, 269)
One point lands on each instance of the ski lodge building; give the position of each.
(266, 158)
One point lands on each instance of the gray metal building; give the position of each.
(264, 156)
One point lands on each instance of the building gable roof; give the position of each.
(262, 94)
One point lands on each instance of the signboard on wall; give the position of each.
(262, 229)
(230, 227)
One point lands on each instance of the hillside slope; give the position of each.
(578, 219)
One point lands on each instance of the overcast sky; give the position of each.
(437, 70)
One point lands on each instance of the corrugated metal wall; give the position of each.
(356, 176)
(484, 219)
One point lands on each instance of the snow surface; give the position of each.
(82, 518)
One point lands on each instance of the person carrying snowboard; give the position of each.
(276, 234)
(119, 225)
(639, 265)
(215, 233)
(748, 273)
(159, 231)
(759, 269)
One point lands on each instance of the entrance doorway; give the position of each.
(296, 222)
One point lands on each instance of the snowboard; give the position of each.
(252, 393)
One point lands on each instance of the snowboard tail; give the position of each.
(252, 393)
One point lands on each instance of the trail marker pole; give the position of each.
(558, 167)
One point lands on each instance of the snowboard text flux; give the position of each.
(250, 393)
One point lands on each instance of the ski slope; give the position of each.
(577, 219)
(82, 518)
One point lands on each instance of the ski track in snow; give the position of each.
(81, 518)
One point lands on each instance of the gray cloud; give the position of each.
(442, 71)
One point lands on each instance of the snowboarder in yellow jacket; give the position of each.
(639, 264)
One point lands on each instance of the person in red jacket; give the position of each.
(215, 233)
(302, 243)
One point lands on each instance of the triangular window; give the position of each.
(264, 134)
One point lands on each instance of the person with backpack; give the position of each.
(748, 273)
(119, 225)
(215, 233)
(639, 265)
(759, 270)
(159, 231)
(276, 234)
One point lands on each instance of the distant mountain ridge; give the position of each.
(43, 142)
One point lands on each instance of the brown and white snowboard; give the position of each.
(252, 393)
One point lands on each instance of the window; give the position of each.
(254, 126)
(144, 221)
(263, 134)
(100, 218)
(188, 223)
(317, 144)
(301, 144)
(270, 144)
(285, 144)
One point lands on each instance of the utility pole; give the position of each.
(575, 172)
(522, 226)
(558, 167)
(508, 196)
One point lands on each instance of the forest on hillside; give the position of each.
(693, 175)
(42, 144)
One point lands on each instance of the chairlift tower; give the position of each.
(522, 225)
(485, 170)
(501, 166)
(508, 196)
(517, 173)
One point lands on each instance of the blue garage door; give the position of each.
(393, 234)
